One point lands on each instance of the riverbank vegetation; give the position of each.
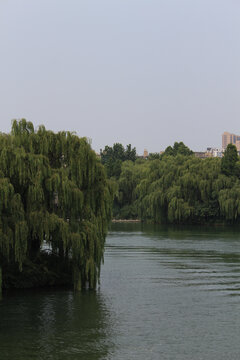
(55, 206)
(56, 200)
(176, 187)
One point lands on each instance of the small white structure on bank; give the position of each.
(214, 152)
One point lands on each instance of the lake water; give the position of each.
(165, 293)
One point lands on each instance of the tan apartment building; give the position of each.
(228, 138)
(145, 153)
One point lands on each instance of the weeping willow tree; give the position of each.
(176, 187)
(185, 189)
(53, 192)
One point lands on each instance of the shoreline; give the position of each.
(125, 221)
(211, 224)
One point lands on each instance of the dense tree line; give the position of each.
(176, 187)
(53, 193)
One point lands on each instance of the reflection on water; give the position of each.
(165, 293)
(53, 325)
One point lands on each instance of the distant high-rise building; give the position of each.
(228, 138)
(238, 145)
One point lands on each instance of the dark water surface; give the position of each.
(165, 293)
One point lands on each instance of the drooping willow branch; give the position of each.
(53, 190)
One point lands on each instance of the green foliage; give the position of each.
(178, 148)
(113, 157)
(53, 190)
(154, 156)
(177, 187)
(230, 161)
(125, 200)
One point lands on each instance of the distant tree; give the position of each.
(154, 156)
(130, 153)
(178, 148)
(169, 151)
(229, 161)
(118, 152)
(125, 201)
(113, 157)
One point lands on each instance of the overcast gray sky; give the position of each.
(145, 72)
